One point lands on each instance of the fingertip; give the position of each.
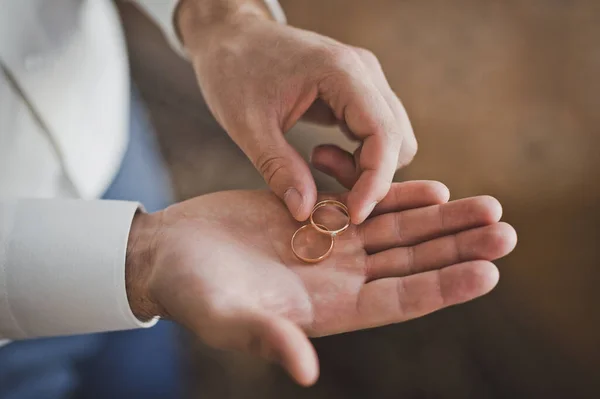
(484, 277)
(490, 242)
(309, 373)
(365, 195)
(492, 206)
(364, 213)
(464, 282)
(440, 191)
(360, 209)
(490, 275)
(310, 199)
(299, 204)
(354, 208)
(506, 238)
(294, 202)
(429, 191)
(296, 354)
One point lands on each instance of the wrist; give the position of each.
(200, 21)
(140, 265)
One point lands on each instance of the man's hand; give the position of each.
(259, 78)
(222, 266)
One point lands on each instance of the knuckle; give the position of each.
(413, 149)
(367, 56)
(269, 165)
(408, 151)
(342, 57)
(341, 66)
(368, 267)
(410, 260)
(398, 226)
(490, 208)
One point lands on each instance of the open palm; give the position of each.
(224, 268)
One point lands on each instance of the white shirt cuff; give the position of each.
(62, 267)
(276, 11)
(163, 14)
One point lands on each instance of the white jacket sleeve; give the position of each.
(163, 14)
(62, 267)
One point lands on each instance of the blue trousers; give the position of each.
(127, 364)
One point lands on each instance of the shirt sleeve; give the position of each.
(162, 12)
(62, 267)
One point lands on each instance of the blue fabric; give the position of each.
(127, 364)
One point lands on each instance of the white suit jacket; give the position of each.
(64, 108)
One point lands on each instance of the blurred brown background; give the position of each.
(504, 97)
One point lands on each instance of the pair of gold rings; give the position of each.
(322, 229)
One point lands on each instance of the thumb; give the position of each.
(285, 171)
(278, 339)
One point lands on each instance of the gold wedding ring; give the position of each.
(322, 229)
(319, 227)
(311, 260)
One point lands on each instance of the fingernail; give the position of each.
(293, 200)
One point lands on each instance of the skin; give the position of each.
(221, 265)
(259, 78)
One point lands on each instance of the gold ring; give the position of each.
(322, 229)
(311, 260)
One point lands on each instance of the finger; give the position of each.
(408, 149)
(284, 170)
(393, 300)
(483, 243)
(271, 337)
(320, 113)
(357, 101)
(374, 181)
(278, 339)
(347, 132)
(335, 162)
(412, 194)
(417, 225)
